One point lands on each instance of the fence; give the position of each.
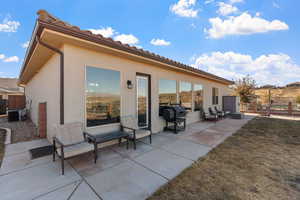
(16, 102)
(274, 108)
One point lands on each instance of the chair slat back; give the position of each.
(70, 133)
(129, 121)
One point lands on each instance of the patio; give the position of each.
(118, 174)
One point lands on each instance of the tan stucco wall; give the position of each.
(44, 87)
(77, 58)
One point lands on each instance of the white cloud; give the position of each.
(2, 56)
(124, 38)
(275, 5)
(184, 8)
(9, 25)
(244, 24)
(25, 45)
(226, 9)
(208, 1)
(105, 32)
(275, 69)
(236, 1)
(127, 39)
(11, 59)
(160, 42)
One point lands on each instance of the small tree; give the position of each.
(244, 88)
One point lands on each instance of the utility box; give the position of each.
(231, 103)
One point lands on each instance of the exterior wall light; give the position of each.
(129, 84)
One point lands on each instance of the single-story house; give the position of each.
(82, 77)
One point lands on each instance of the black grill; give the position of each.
(174, 114)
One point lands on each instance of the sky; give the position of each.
(229, 38)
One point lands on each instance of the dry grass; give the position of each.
(260, 161)
(2, 140)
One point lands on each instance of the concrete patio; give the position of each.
(118, 174)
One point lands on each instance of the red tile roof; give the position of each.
(47, 19)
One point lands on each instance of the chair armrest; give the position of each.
(128, 128)
(88, 136)
(58, 141)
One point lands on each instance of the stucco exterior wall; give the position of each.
(44, 87)
(76, 59)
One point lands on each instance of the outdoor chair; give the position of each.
(129, 124)
(219, 112)
(70, 141)
(207, 116)
(211, 112)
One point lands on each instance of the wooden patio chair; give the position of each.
(130, 125)
(69, 141)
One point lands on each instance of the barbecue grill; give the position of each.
(174, 114)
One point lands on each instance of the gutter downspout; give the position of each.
(61, 75)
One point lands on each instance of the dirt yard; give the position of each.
(260, 161)
(21, 130)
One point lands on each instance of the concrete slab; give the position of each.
(85, 165)
(160, 139)
(126, 181)
(21, 161)
(164, 163)
(141, 148)
(21, 147)
(35, 181)
(207, 138)
(62, 193)
(187, 149)
(84, 191)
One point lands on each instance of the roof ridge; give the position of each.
(43, 15)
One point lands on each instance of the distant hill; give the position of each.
(279, 95)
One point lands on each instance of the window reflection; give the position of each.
(198, 97)
(185, 93)
(102, 96)
(167, 92)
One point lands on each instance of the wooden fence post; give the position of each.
(290, 108)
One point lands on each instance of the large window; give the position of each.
(198, 97)
(102, 96)
(215, 96)
(185, 92)
(167, 92)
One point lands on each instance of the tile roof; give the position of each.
(45, 17)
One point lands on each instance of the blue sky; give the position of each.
(230, 38)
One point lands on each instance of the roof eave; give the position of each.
(40, 25)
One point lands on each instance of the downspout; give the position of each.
(61, 75)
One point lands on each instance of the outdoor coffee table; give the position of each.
(101, 138)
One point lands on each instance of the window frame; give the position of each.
(176, 90)
(215, 98)
(85, 98)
